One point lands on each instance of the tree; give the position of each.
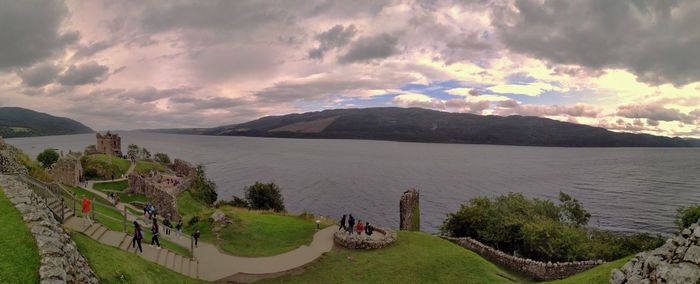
(145, 154)
(573, 211)
(203, 189)
(265, 196)
(133, 151)
(47, 158)
(686, 216)
(162, 158)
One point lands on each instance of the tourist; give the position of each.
(360, 227)
(138, 235)
(167, 224)
(351, 224)
(196, 237)
(86, 211)
(342, 224)
(369, 229)
(155, 232)
(179, 228)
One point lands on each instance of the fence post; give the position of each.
(75, 213)
(125, 219)
(93, 209)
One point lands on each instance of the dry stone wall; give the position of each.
(677, 261)
(8, 160)
(534, 269)
(60, 260)
(355, 241)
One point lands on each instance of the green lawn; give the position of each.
(143, 167)
(414, 258)
(188, 206)
(113, 265)
(599, 274)
(112, 186)
(19, 256)
(101, 162)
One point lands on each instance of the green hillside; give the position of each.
(20, 122)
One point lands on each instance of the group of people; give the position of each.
(358, 227)
(150, 212)
(114, 198)
(169, 181)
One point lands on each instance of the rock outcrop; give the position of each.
(409, 208)
(60, 260)
(8, 160)
(381, 238)
(677, 261)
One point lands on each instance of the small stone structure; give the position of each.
(409, 208)
(60, 260)
(109, 144)
(67, 170)
(381, 238)
(677, 261)
(534, 269)
(183, 168)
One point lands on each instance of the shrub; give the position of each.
(265, 196)
(687, 216)
(193, 221)
(203, 189)
(236, 202)
(48, 157)
(162, 158)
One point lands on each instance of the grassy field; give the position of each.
(143, 167)
(599, 274)
(414, 258)
(251, 233)
(101, 162)
(113, 265)
(118, 187)
(19, 256)
(112, 186)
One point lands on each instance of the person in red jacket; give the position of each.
(86, 211)
(360, 227)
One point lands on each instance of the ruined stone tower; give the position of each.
(409, 211)
(109, 144)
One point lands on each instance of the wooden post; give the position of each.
(125, 220)
(93, 209)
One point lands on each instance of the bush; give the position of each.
(236, 202)
(162, 158)
(193, 221)
(48, 157)
(687, 216)
(203, 189)
(265, 196)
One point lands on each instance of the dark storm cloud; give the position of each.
(370, 48)
(655, 112)
(86, 73)
(30, 31)
(336, 37)
(39, 75)
(655, 39)
(92, 49)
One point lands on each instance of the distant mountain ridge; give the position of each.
(21, 122)
(423, 125)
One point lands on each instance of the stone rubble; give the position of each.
(677, 261)
(355, 241)
(60, 260)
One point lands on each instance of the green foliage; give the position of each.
(145, 154)
(687, 216)
(162, 158)
(143, 167)
(34, 169)
(265, 196)
(187, 205)
(48, 157)
(101, 166)
(19, 256)
(236, 202)
(539, 229)
(203, 189)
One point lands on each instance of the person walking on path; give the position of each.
(196, 237)
(86, 211)
(154, 231)
(178, 227)
(342, 223)
(138, 235)
(360, 227)
(351, 224)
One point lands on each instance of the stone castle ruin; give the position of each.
(109, 144)
(163, 195)
(409, 207)
(67, 170)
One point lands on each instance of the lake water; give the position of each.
(625, 189)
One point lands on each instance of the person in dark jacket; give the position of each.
(155, 232)
(196, 237)
(369, 229)
(351, 224)
(138, 235)
(342, 224)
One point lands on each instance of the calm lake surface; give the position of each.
(625, 189)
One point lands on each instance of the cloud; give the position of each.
(336, 37)
(83, 74)
(654, 112)
(151, 94)
(86, 51)
(32, 31)
(39, 75)
(656, 40)
(464, 92)
(533, 90)
(371, 48)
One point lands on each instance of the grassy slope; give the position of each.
(599, 274)
(414, 258)
(111, 263)
(102, 161)
(112, 186)
(143, 167)
(118, 187)
(252, 233)
(19, 256)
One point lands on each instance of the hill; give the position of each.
(21, 122)
(422, 125)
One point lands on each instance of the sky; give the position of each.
(626, 65)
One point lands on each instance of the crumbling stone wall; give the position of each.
(183, 168)
(60, 260)
(409, 208)
(67, 170)
(8, 160)
(677, 261)
(355, 241)
(534, 269)
(109, 144)
(162, 200)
